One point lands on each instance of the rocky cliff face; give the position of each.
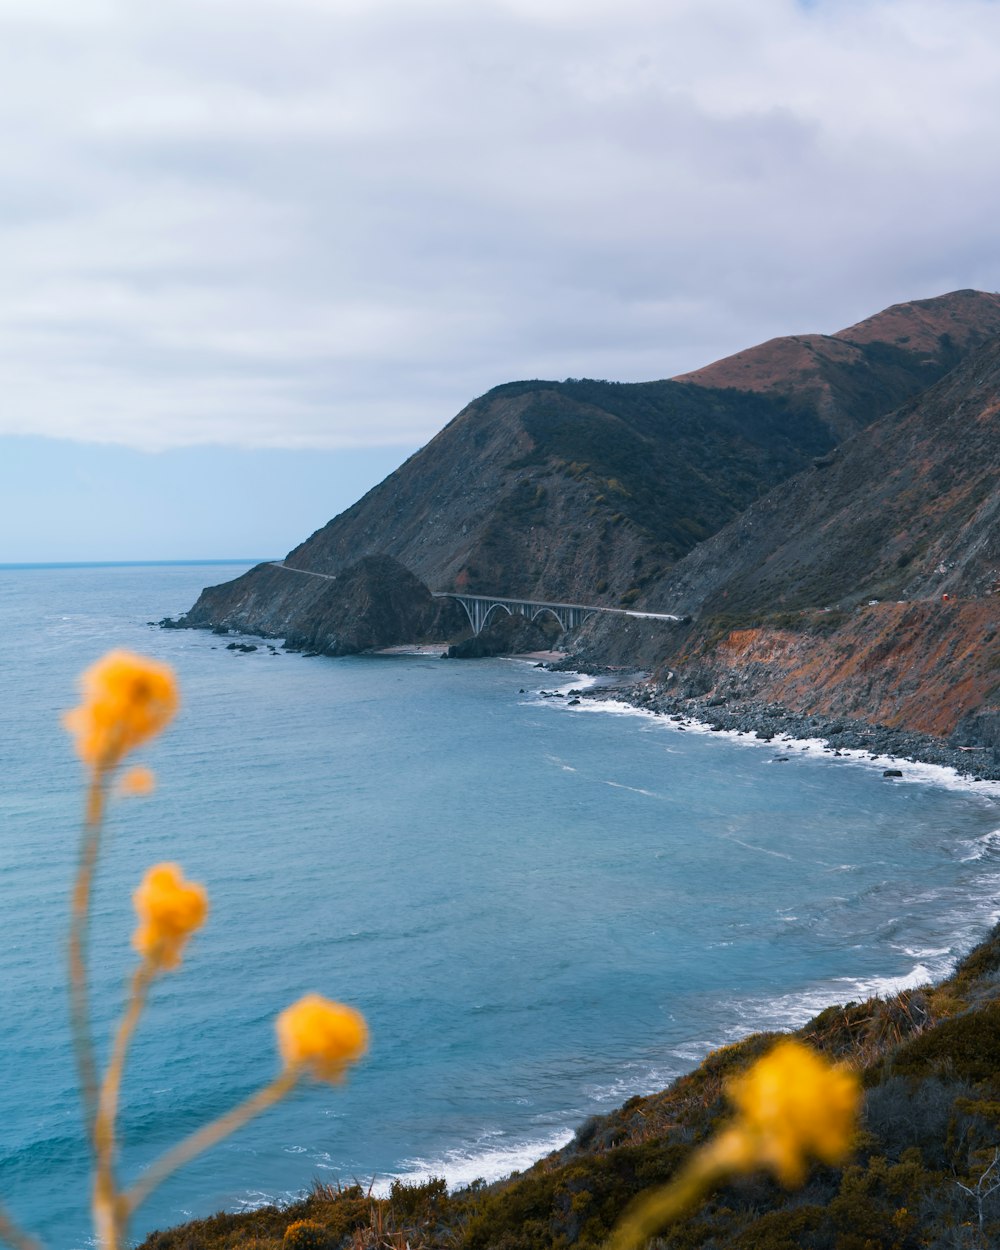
(929, 666)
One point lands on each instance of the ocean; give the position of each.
(541, 909)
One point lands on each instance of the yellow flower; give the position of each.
(792, 1105)
(322, 1036)
(127, 699)
(137, 781)
(170, 909)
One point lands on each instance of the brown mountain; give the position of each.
(853, 376)
(586, 491)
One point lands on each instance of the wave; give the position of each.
(981, 848)
(791, 1011)
(620, 785)
(489, 1158)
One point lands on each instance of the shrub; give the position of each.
(306, 1235)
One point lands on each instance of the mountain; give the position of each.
(855, 375)
(584, 491)
(590, 491)
(373, 603)
(867, 586)
(906, 509)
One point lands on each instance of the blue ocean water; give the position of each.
(541, 909)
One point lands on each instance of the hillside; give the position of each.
(570, 490)
(587, 491)
(868, 585)
(855, 375)
(930, 1063)
(907, 509)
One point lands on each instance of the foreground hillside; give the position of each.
(930, 1062)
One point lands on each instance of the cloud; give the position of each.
(308, 224)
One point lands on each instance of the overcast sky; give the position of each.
(323, 226)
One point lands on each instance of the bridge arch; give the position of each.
(489, 612)
(546, 607)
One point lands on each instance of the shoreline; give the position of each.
(762, 721)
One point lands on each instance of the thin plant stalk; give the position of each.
(106, 1205)
(652, 1212)
(204, 1138)
(79, 919)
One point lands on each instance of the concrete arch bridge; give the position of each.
(481, 608)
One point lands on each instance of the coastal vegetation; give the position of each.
(929, 1064)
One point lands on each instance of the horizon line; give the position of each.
(107, 564)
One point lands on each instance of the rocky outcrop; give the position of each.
(929, 666)
(373, 603)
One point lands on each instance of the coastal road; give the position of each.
(504, 599)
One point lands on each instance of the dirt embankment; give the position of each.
(932, 667)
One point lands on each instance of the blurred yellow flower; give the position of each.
(127, 699)
(137, 781)
(792, 1106)
(170, 909)
(322, 1036)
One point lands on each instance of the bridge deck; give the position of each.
(479, 607)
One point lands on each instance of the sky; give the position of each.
(253, 253)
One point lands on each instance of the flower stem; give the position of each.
(651, 1212)
(105, 1198)
(79, 917)
(208, 1136)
